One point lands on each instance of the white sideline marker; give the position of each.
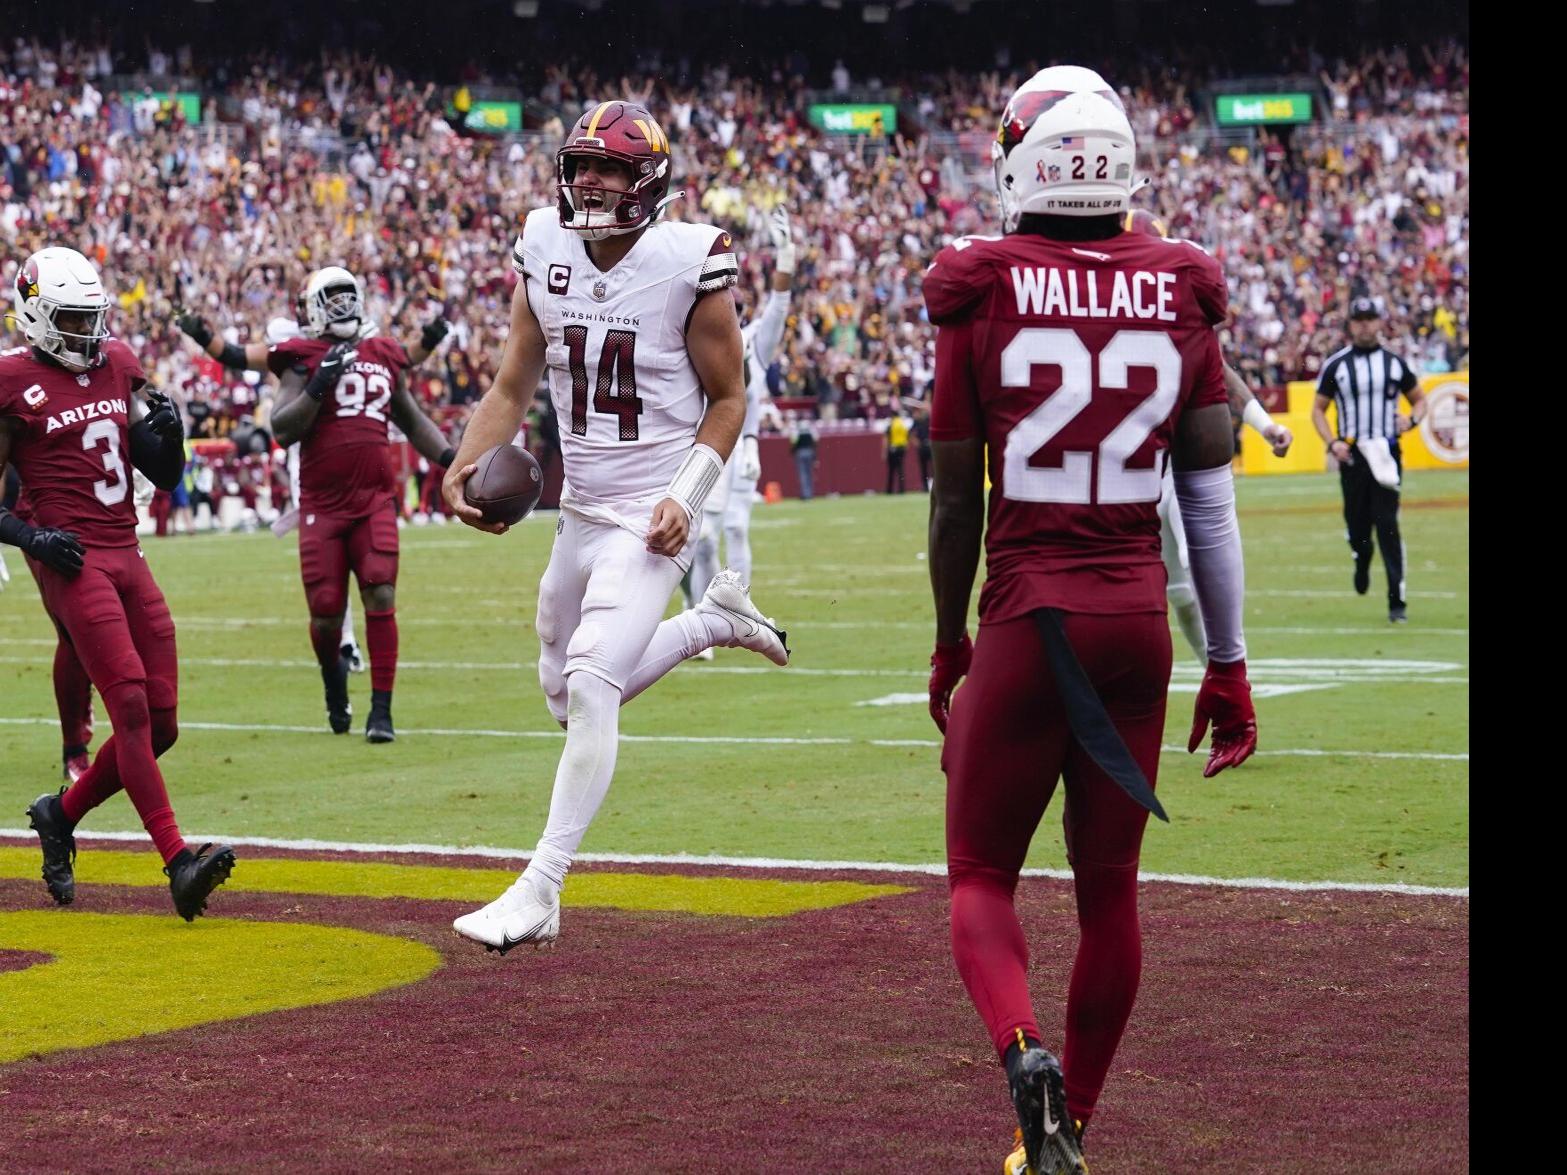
(741, 740)
(770, 863)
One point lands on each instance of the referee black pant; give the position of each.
(1370, 506)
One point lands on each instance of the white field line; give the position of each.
(741, 740)
(1263, 671)
(767, 863)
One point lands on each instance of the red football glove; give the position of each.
(948, 664)
(1225, 700)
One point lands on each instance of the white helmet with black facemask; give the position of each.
(61, 307)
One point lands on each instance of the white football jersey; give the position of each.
(625, 393)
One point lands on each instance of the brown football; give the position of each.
(506, 485)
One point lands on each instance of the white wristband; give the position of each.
(695, 479)
(1257, 416)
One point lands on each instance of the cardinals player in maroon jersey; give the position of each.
(337, 393)
(70, 419)
(1084, 358)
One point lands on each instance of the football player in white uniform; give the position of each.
(728, 508)
(631, 317)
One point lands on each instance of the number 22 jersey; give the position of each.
(71, 441)
(345, 464)
(625, 392)
(1073, 360)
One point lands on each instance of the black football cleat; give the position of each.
(378, 727)
(1050, 1140)
(1398, 614)
(339, 713)
(1362, 575)
(192, 876)
(58, 844)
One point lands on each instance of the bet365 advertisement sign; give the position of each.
(854, 119)
(1263, 109)
(494, 118)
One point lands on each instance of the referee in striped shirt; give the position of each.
(1363, 381)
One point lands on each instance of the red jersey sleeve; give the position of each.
(1208, 387)
(282, 356)
(954, 405)
(1213, 293)
(955, 283)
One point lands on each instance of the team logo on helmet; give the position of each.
(1021, 113)
(27, 279)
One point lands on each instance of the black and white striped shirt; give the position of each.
(1364, 385)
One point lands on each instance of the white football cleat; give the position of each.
(520, 915)
(726, 596)
(356, 659)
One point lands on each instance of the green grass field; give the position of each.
(861, 781)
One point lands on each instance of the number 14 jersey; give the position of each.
(70, 441)
(1073, 360)
(345, 462)
(625, 392)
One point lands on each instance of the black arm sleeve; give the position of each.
(233, 357)
(162, 459)
(13, 531)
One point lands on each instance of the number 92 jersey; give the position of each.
(70, 441)
(345, 464)
(1073, 360)
(621, 379)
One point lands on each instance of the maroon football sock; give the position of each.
(992, 956)
(137, 768)
(97, 784)
(381, 636)
(324, 638)
(1104, 980)
(73, 697)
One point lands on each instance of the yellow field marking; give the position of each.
(115, 977)
(746, 897)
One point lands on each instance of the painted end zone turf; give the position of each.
(836, 1037)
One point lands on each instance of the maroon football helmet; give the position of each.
(627, 133)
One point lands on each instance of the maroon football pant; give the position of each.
(72, 687)
(1008, 743)
(119, 624)
(329, 547)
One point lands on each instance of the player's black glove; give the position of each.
(197, 329)
(330, 369)
(56, 548)
(163, 418)
(434, 331)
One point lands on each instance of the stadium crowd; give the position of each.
(346, 161)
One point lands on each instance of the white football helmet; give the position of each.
(58, 281)
(334, 304)
(1065, 148)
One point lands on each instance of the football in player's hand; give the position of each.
(506, 485)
